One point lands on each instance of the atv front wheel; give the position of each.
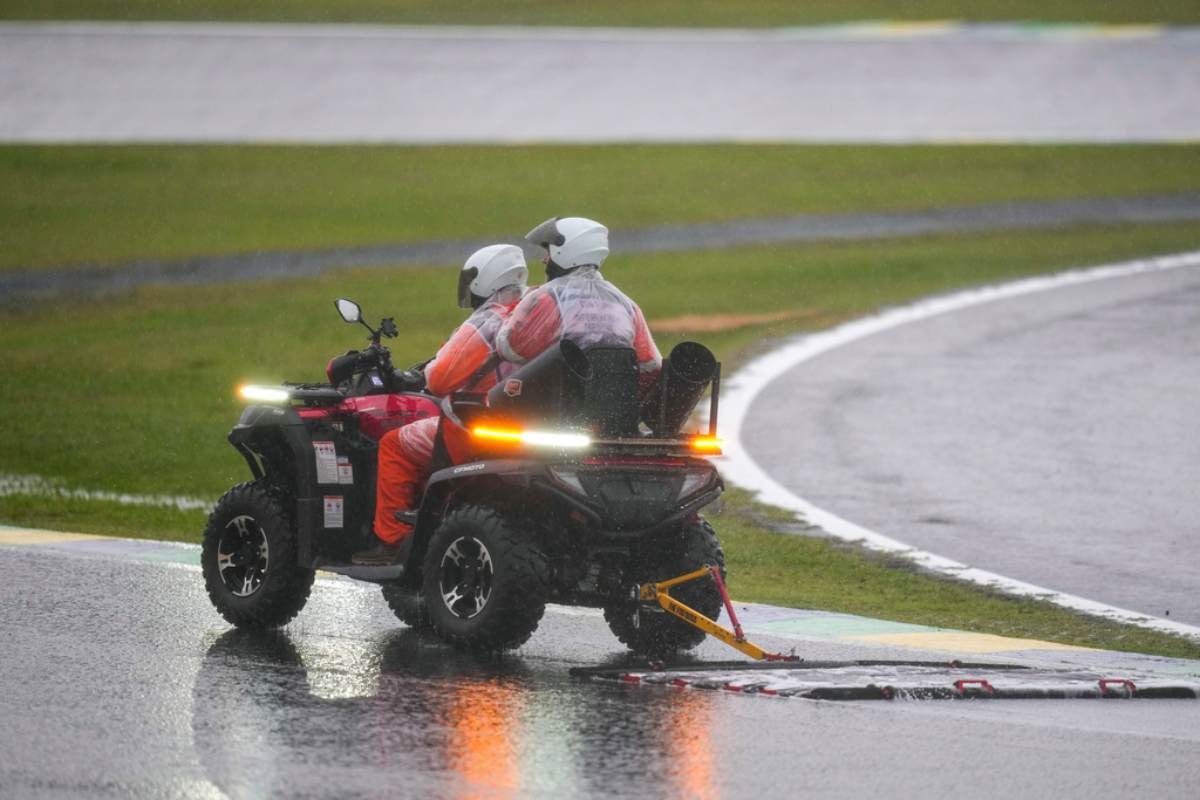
(650, 630)
(249, 558)
(485, 580)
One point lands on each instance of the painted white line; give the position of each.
(37, 486)
(741, 389)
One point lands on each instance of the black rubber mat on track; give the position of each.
(895, 680)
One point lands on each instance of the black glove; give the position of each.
(409, 380)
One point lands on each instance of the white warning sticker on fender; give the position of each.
(327, 468)
(345, 470)
(334, 513)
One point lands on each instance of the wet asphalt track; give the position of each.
(356, 83)
(1050, 438)
(120, 680)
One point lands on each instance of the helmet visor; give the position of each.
(464, 286)
(546, 234)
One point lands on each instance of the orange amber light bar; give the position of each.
(709, 445)
(537, 438)
(496, 433)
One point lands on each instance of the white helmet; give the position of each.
(572, 241)
(489, 270)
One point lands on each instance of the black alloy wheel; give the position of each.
(466, 576)
(243, 555)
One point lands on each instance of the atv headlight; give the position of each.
(264, 394)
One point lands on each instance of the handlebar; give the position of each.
(314, 393)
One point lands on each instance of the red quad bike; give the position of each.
(556, 486)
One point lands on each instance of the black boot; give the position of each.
(384, 554)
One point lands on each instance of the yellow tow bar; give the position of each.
(660, 593)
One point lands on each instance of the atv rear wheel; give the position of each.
(408, 605)
(648, 629)
(485, 580)
(248, 558)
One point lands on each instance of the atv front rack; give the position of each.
(660, 593)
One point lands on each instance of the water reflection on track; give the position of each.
(277, 715)
(118, 679)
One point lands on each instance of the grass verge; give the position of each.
(687, 13)
(78, 515)
(66, 205)
(152, 374)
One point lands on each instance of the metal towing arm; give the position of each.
(660, 593)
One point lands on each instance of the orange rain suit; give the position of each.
(406, 453)
(585, 308)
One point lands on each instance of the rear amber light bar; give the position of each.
(537, 438)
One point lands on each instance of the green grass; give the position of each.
(151, 375)
(805, 572)
(64, 205)
(744, 13)
(77, 515)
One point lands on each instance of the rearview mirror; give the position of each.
(349, 310)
